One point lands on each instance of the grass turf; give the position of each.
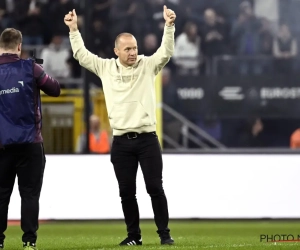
(187, 235)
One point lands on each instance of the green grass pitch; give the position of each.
(214, 235)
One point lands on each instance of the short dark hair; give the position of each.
(10, 38)
(120, 35)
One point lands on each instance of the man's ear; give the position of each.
(116, 51)
(20, 47)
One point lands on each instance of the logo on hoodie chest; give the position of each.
(126, 79)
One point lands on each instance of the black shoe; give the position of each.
(131, 242)
(1, 245)
(166, 239)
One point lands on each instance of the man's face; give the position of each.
(210, 17)
(248, 11)
(193, 30)
(127, 50)
(150, 42)
(165, 79)
(94, 124)
(98, 25)
(284, 31)
(57, 40)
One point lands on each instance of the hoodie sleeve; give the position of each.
(85, 58)
(162, 56)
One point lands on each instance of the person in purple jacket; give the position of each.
(21, 143)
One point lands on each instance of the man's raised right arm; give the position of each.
(85, 58)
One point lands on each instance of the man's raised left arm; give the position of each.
(162, 56)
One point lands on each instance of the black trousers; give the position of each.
(126, 153)
(28, 163)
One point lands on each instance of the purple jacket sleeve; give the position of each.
(46, 83)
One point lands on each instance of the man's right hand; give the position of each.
(71, 21)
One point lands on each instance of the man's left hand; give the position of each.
(169, 16)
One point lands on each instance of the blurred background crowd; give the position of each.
(214, 39)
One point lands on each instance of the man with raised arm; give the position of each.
(128, 84)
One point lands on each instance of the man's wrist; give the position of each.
(169, 24)
(73, 29)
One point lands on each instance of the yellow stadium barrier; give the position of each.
(63, 117)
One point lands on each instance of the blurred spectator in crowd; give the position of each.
(99, 41)
(266, 46)
(150, 45)
(268, 9)
(29, 19)
(187, 54)
(266, 38)
(213, 35)
(127, 16)
(5, 17)
(58, 9)
(171, 126)
(74, 67)
(156, 20)
(289, 14)
(245, 35)
(55, 58)
(192, 10)
(227, 9)
(285, 49)
(251, 134)
(98, 139)
(101, 10)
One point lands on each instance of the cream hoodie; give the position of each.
(129, 91)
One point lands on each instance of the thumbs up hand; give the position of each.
(169, 16)
(71, 20)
